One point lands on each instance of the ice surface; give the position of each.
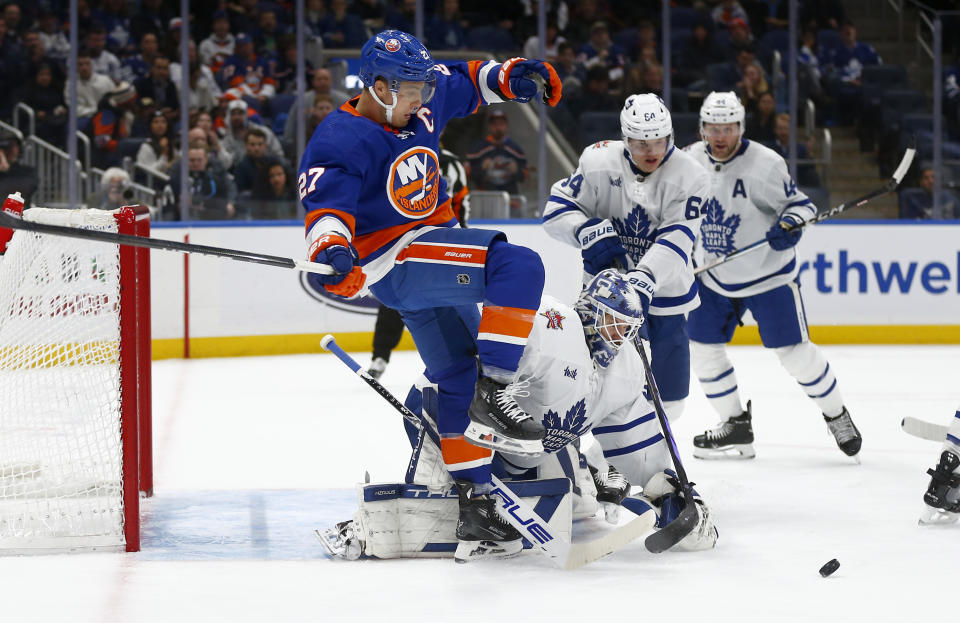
(253, 453)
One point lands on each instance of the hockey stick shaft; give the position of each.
(514, 509)
(924, 430)
(890, 186)
(689, 517)
(13, 222)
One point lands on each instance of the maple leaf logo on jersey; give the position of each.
(561, 431)
(554, 319)
(716, 233)
(634, 232)
(413, 184)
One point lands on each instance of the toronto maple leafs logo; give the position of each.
(554, 319)
(716, 233)
(634, 232)
(560, 432)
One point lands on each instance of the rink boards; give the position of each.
(862, 281)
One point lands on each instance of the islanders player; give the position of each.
(379, 213)
(634, 204)
(752, 197)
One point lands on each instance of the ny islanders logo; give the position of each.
(413, 184)
(716, 233)
(561, 431)
(634, 232)
(392, 45)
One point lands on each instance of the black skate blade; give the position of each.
(676, 530)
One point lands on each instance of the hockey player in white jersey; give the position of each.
(752, 196)
(635, 204)
(942, 499)
(579, 374)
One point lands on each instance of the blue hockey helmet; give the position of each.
(611, 313)
(397, 57)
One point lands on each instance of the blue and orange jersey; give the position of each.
(374, 183)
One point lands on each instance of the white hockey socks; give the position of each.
(805, 363)
(717, 378)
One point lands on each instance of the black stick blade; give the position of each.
(674, 532)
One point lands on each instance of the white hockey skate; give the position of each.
(341, 541)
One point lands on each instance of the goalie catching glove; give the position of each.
(520, 79)
(662, 492)
(335, 251)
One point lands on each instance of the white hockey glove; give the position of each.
(663, 491)
(645, 285)
(612, 487)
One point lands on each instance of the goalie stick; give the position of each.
(924, 430)
(14, 222)
(685, 523)
(890, 186)
(515, 510)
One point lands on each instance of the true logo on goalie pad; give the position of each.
(530, 525)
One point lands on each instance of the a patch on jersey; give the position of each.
(634, 232)
(554, 319)
(616, 182)
(413, 184)
(717, 232)
(561, 431)
(600, 144)
(570, 373)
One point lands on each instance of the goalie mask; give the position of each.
(611, 313)
(396, 57)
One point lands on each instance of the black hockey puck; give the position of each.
(829, 568)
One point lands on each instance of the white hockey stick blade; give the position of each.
(554, 546)
(924, 430)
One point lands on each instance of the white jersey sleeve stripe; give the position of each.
(619, 428)
(640, 445)
(682, 228)
(675, 248)
(801, 202)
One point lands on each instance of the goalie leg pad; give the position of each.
(415, 521)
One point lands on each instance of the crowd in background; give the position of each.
(242, 76)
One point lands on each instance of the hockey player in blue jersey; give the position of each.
(752, 196)
(379, 213)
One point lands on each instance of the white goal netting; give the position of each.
(61, 476)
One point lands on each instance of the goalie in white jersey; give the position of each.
(635, 205)
(752, 197)
(580, 373)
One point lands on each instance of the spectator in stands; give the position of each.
(113, 15)
(104, 61)
(55, 40)
(246, 73)
(46, 100)
(15, 176)
(218, 47)
(91, 87)
(321, 86)
(115, 191)
(595, 95)
(402, 17)
(13, 17)
(806, 173)
(341, 29)
(235, 137)
(531, 48)
(285, 68)
(644, 78)
(740, 35)
(727, 11)
(159, 151)
(584, 15)
(243, 15)
(203, 132)
(212, 193)
(760, 125)
(251, 172)
(12, 66)
(152, 17)
(446, 30)
(170, 44)
(600, 51)
(497, 162)
(568, 70)
(266, 36)
(204, 91)
(919, 205)
(36, 54)
(158, 87)
(278, 200)
(699, 52)
(138, 66)
(843, 65)
(112, 122)
(951, 92)
(752, 86)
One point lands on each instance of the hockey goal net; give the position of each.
(74, 385)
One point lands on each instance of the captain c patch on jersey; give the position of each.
(413, 184)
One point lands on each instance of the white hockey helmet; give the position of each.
(722, 107)
(645, 117)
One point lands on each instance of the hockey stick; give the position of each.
(13, 222)
(890, 186)
(685, 523)
(924, 430)
(517, 512)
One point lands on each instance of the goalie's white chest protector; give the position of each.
(748, 194)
